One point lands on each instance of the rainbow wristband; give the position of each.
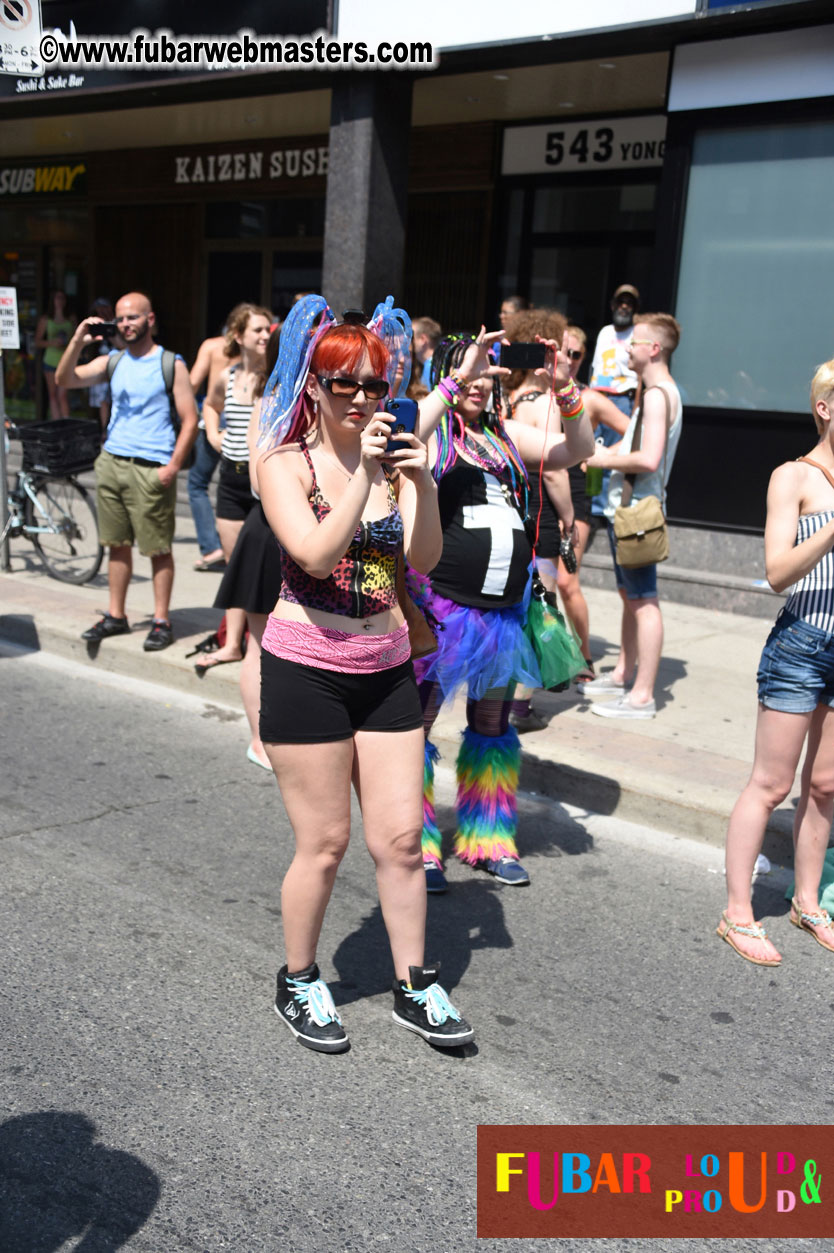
(569, 400)
(449, 389)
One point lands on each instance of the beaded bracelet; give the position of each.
(569, 400)
(450, 388)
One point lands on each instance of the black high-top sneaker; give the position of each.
(304, 1003)
(425, 1008)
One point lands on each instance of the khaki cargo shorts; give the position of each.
(133, 506)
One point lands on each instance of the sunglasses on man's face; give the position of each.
(374, 389)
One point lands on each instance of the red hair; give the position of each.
(342, 347)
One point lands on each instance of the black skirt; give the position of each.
(253, 576)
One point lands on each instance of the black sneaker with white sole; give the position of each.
(304, 1003)
(425, 1008)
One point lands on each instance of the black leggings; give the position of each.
(488, 716)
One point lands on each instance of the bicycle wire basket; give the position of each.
(63, 446)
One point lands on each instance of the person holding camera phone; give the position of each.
(480, 589)
(339, 702)
(136, 470)
(554, 510)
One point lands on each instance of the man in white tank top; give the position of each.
(655, 338)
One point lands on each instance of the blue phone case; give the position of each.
(403, 413)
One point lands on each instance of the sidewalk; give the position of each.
(680, 772)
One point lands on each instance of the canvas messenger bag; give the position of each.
(640, 529)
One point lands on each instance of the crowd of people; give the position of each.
(342, 544)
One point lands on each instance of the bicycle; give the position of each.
(48, 505)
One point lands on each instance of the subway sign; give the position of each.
(44, 180)
(619, 143)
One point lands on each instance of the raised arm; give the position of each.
(317, 546)
(417, 500)
(475, 363)
(69, 373)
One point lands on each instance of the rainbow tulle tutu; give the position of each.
(477, 649)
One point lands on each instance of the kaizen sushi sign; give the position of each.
(628, 143)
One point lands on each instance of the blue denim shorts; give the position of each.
(638, 584)
(796, 671)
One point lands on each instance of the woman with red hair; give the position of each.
(339, 702)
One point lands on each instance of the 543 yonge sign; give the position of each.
(619, 143)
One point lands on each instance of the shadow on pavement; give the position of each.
(58, 1184)
(469, 917)
(20, 628)
(537, 832)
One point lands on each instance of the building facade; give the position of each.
(690, 153)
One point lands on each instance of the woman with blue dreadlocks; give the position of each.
(339, 702)
(479, 592)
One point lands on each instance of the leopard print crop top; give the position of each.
(364, 581)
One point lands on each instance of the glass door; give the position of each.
(21, 269)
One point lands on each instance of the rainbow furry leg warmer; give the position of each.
(487, 770)
(431, 836)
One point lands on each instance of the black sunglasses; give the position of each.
(575, 354)
(374, 389)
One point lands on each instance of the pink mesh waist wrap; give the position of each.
(328, 649)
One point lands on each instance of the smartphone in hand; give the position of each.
(523, 356)
(403, 414)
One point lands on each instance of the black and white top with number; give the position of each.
(237, 414)
(486, 550)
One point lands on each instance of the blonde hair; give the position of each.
(822, 386)
(576, 332)
(666, 328)
(237, 322)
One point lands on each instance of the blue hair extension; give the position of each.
(282, 408)
(393, 326)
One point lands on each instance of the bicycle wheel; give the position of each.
(65, 530)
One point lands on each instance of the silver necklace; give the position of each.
(336, 464)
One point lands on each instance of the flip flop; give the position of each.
(809, 922)
(202, 666)
(210, 567)
(754, 930)
(252, 756)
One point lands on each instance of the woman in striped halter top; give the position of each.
(796, 694)
(233, 396)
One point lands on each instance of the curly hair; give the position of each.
(237, 322)
(523, 328)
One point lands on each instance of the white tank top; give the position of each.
(237, 414)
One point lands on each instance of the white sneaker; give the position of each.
(623, 708)
(603, 684)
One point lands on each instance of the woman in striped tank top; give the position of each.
(233, 396)
(796, 694)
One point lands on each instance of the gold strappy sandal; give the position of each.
(725, 930)
(807, 922)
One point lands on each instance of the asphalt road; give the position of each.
(152, 1099)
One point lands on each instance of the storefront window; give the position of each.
(625, 207)
(290, 217)
(754, 291)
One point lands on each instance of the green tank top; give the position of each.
(56, 330)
